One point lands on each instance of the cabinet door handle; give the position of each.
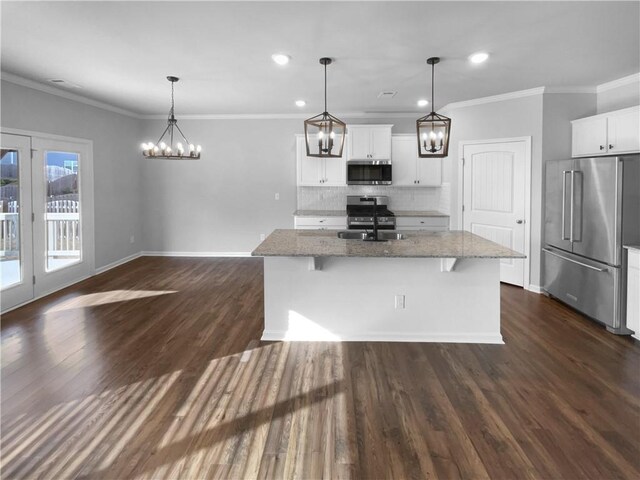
(610, 147)
(519, 222)
(601, 147)
(418, 181)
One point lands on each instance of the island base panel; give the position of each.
(354, 299)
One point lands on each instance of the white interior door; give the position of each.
(16, 260)
(62, 177)
(494, 199)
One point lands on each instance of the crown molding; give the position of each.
(495, 98)
(620, 82)
(569, 89)
(11, 78)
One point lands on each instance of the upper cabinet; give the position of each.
(409, 170)
(369, 142)
(318, 172)
(609, 133)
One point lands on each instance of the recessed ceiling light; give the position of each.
(423, 103)
(300, 103)
(478, 57)
(281, 58)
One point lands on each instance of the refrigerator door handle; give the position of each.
(550, 252)
(579, 189)
(564, 202)
(572, 205)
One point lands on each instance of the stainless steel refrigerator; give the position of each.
(592, 209)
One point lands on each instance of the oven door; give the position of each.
(368, 172)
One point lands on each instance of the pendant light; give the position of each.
(433, 130)
(164, 147)
(324, 133)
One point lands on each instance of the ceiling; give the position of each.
(120, 52)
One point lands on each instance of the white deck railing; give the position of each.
(9, 234)
(63, 230)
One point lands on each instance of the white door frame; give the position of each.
(88, 199)
(527, 193)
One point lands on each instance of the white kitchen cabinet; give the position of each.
(623, 132)
(369, 142)
(633, 291)
(432, 224)
(411, 170)
(318, 172)
(609, 133)
(320, 223)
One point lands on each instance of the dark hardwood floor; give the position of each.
(155, 369)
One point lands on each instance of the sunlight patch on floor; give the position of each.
(94, 431)
(103, 298)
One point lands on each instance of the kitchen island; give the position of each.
(427, 287)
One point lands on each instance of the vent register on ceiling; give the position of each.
(165, 147)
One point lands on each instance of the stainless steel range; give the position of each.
(360, 214)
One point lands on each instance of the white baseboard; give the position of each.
(534, 288)
(272, 335)
(195, 254)
(117, 263)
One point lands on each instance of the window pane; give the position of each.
(10, 218)
(62, 209)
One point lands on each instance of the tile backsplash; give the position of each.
(400, 198)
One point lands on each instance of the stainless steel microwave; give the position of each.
(369, 172)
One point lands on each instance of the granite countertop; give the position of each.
(419, 213)
(320, 213)
(325, 243)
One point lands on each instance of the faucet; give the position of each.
(374, 238)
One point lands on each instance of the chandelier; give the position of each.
(164, 147)
(433, 130)
(324, 131)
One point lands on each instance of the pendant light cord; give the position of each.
(433, 107)
(325, 88)
(171, 112)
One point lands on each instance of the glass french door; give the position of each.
(49, 228)
(16, 260)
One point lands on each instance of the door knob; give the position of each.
(519, 221)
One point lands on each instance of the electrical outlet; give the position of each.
(400, 302)
(132, 239)
(262, 236)
(277, 196)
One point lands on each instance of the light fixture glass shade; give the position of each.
(434, 131)
(324, 135)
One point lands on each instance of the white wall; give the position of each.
(612, 97)
(225, 200)
(115, 155)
